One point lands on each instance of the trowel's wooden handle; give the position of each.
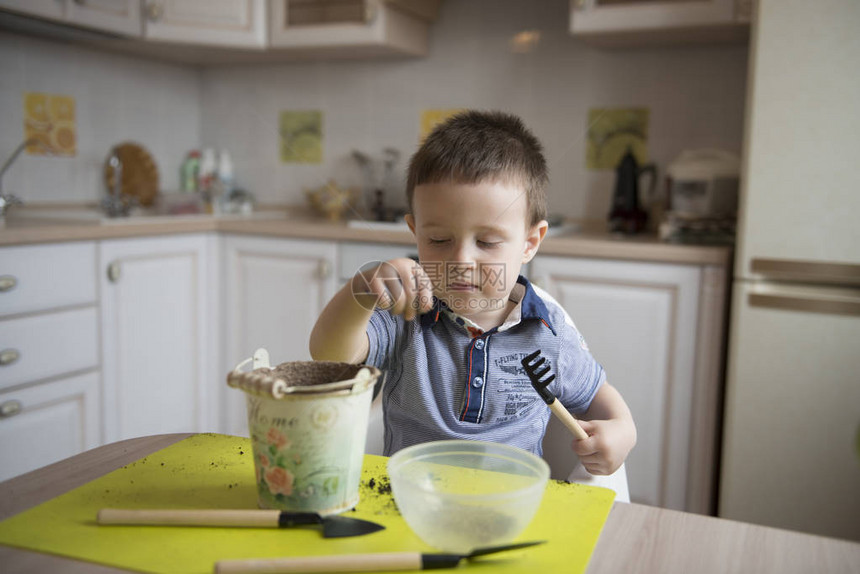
(562, 413)
(169, 517)
(342, 563)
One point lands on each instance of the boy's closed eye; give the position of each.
(488, 244)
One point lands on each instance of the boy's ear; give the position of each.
(534, 236)
(410, 221)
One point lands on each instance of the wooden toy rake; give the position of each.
(532, 364)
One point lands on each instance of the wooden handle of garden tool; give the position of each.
(171, 517)
(564, 415)
(342, 563)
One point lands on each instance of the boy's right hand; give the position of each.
(399, 285)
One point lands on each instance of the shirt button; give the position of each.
(479, 344)
(477, 382)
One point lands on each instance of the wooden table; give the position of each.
(636, 538)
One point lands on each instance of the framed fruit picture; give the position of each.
(49, 120)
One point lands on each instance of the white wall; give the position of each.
(696, 98)
(117, 99)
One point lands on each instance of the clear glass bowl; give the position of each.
(458, 495)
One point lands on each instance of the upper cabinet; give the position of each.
(51, 9)
(114, 16)
(232, 31)
(120, 16)
(226, 23)
(352, 27)
(623, 23)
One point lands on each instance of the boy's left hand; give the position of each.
(608, 444)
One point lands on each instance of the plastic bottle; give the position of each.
(225, 172)
(208, 169)
(206, 178)
(189, 172)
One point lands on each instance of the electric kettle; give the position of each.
(626, 216)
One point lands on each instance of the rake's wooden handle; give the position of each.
(342, 563)
(564, 415)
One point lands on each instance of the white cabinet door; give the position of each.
(121, 16)
(36, 278)
(51, 9)
(42, 424)
(640, 322)
(46, 345)
(350, 28)
(631, 22)
(157, 345)
(203, 22)
(276, 289)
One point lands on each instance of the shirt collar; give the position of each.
(529, 306)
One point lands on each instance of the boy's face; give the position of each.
(472, 241)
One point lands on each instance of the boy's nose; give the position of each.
(463, 255)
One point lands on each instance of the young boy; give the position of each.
(450, 332)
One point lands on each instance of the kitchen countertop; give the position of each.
(590, 241)
(635, 538)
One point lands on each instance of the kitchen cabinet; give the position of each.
(622, 23)
(159, 311)
(657, 329)
(352, 27)
(232, 31)
(49, 359)
(237, 23)
(275, 290)
(44, 423)
(49, 9)
(118, 16)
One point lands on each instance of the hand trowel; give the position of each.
(380, 562)
(332, 526)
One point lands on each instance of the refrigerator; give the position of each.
(790, 453)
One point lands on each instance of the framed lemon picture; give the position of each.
(301, 136)
(50, 120)
(611, 132)
(431, 118)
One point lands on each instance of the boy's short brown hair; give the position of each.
(474, 146)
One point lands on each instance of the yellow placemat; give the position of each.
(217, 471)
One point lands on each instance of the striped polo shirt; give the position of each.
(445, 382)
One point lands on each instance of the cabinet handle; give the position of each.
(9, 356)
(10, 409)
(7, 283)
(114, 272)
(324, 269)
(154, 11)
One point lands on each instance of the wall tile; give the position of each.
(695, 96)
(118, 98)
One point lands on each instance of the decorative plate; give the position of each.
(139, 173)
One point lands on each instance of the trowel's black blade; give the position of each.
(436, 561)
(343, 526)
(494, 549)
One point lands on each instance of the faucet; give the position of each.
(115, 203)
(8, 199)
